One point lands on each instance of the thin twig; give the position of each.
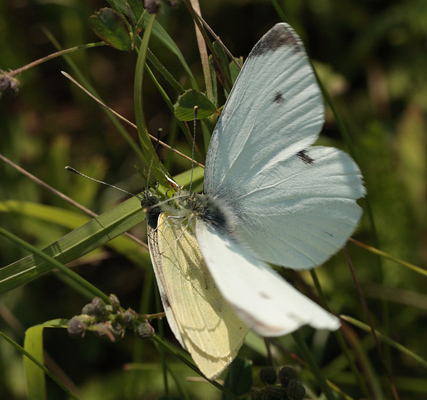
(126, 120)
(54, 55)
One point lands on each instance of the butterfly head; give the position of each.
(148, 203)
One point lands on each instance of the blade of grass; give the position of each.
(311, 362)
(55, 264)
(203, 53)
(389, 257)
(146, 145)
(197, 20)
(386, 340)
(340, 339)
(371, 324)
(33, 343)
(88, 237)
(41, 366)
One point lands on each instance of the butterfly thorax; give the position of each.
(208, 209)
(194, 206)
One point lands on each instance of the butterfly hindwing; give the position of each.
(261, 297)
(314, 215)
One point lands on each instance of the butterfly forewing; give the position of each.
(274, 110)
(295, 205)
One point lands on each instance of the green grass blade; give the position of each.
(386, 340)
(389, 257)
(88, 237)
(54, 323)
(145, 141)
(314, 368)
(33, 344)
(55, 264)
(73, 220)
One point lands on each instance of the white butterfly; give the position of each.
(269, 197)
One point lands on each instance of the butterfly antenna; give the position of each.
(98, 181)
(194, 144)
(171, 182)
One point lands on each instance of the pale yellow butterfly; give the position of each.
(201, 319)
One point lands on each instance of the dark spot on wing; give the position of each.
(280, 35)
(264, 295)
(278, 98)
(305, 157)
(165, 300)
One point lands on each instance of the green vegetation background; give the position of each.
(371, 57)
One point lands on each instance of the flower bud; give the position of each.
(296, 390)
(99, 308)
(144, 330)
(286, 374)
(152, 6)
(118, 331)
(76, 328)
(88, 309)
(8, 84)
(276, 392)
(268, 376)
(129, 318)
(115, 303)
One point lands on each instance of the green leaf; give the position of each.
(112, 28)
(234, 69)
(137, 10)
(136, 7)
(119, 5)
(184, 108)
(239, 378)
(222, 70)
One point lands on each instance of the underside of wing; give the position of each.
(162, 281)
(261, 297)
(274, 110)
(203, 321)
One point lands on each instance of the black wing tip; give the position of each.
(280, 35)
